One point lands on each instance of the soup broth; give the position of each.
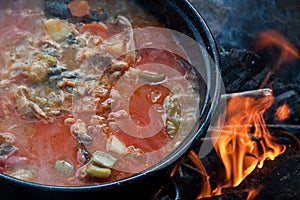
(80, 104)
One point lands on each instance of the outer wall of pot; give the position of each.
(179, 15)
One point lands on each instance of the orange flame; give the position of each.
(244, 141)
(269, 39)
(283, 112)
(272, 37)
(251, 194)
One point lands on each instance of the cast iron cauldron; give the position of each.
(181, 16)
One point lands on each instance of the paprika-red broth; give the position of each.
(80, 105)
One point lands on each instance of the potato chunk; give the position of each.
(103, 159)
(98, 172)
(57, 30)
(100, 164)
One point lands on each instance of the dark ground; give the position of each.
(235, 24)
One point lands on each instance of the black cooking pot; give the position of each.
(181, 16)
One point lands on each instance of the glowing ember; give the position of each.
(283, 112)
(244, 142)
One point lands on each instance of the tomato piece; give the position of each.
(79, 8)
(95, 29)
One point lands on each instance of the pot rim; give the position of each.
(201, 34)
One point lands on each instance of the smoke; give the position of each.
(235, 23)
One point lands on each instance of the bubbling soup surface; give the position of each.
(79, 103)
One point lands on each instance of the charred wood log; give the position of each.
(241, 69)
(286, 91)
